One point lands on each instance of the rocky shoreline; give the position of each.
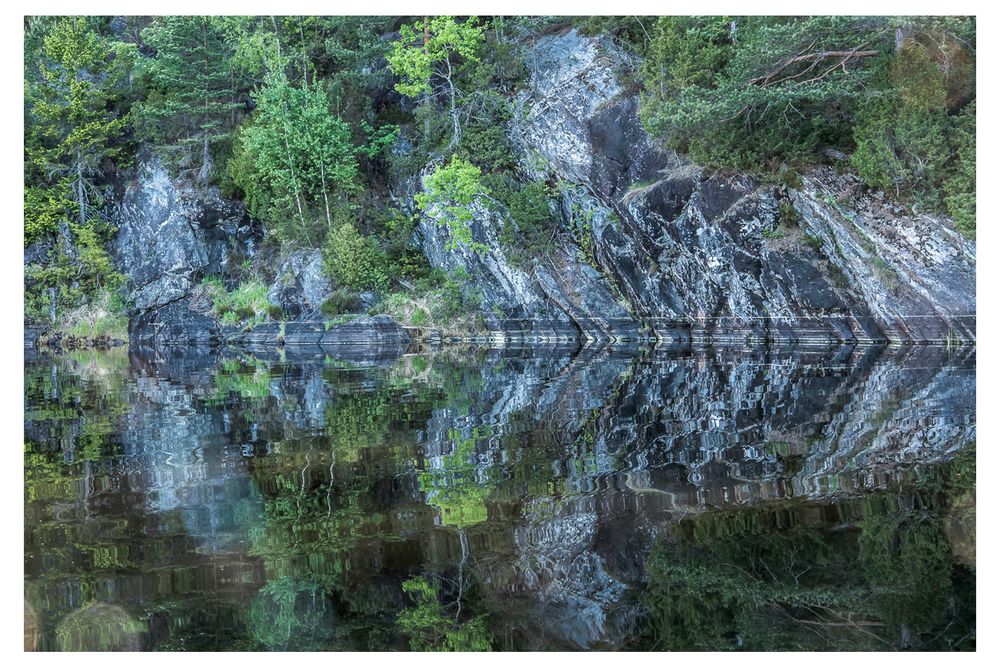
(650, 248)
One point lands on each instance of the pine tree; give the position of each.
(191, 101)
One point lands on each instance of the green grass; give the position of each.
(110, 326)
(340, 319)
(104, 316)
(246, 305)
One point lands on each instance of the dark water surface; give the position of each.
(515, 499)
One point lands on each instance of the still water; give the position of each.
(550, 499)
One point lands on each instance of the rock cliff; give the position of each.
(684, 253)
(649, 246)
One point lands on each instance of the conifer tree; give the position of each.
(191, 100)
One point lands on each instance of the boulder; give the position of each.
(300, 286)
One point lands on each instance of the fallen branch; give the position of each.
(814, 59)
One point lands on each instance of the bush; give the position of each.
(341, 301)
(530, 209)
(960, 187)
(354, 260)
(43, 210)
(439, 300)
(486, 144)
(755, 92)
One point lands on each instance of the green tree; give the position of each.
(429, 50)
(751, 92)
(451, 191)
(72, 126)
(74, 132)
(295, 155)
(191, 101)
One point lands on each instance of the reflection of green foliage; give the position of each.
(431, 627)
(99, 628)
(460, 487)
(871, 574)
(291, 614)
(312, 528)
(247, 378)
(88, 379)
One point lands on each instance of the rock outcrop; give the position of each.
(649, 246)
(300, 286)
(169, 237)
(684, 253)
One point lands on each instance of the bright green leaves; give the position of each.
(427, 44)
(432, 49)
(451, 192)
(293, 158)
(432, 627)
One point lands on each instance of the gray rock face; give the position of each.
(688, 251)
(169, 237)
(160, 247)
(558, 299)
(300, 286)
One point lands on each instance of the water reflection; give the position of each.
(505, 499)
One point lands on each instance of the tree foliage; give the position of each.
(451, 192)
(294, 159)
(74, 131)
(190, 103)
(430, 50)
(754, 93)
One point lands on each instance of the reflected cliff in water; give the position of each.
(502, 499)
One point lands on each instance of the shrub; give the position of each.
(530, 207)
(354, 260)
(960, 187)
(439, 300)
(341, 301)
(486, 144)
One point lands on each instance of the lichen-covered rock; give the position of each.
(915, 273)
(558, 299)
(159, 247)
(379, 329)
(300, 286)
(177, 323)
